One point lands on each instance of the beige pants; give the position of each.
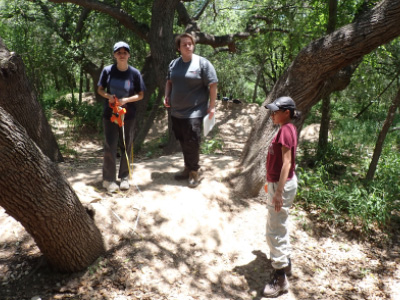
(277, 224)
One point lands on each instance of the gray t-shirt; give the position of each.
(190, 81)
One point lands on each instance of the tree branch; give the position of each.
(140, 29)
(229, 40)
(81, 22)
(203, 8)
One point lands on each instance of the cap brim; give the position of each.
(272, 107)
(121, 48)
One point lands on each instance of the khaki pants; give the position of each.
(277, 224)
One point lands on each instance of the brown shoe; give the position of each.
(276, 286)
(182, 175)
(193, 179)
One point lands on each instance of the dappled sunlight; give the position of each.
(165, 240)
(10, 229)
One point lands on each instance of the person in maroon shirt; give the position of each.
(281, 188)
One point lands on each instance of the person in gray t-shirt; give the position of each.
(191, 83)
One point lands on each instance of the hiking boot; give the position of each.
(193, 179)
(111, 187)
(276, 286)
(288, 269)
(182, 175)
(124, 185)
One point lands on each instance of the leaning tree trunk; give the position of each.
(382, 135)
(306, 78)
(35, 193)
(18, 99)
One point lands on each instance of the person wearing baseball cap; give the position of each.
(120, 45)
(125, 83)
(282, 103)
(281, 189)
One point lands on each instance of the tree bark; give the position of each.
(326, 101)
(35, 193)
(382, 135)
(161, 40)
(306, 79)
(18, 99)
(324, 128)
(143, 120)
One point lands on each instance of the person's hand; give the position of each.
(211, 112)
(111, 98)
(277, 201)
(166, 102)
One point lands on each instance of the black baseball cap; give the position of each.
(282, 103)
(120, 45)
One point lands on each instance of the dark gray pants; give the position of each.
(112, 134)
(188, 133)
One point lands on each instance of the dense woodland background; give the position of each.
(351, 171)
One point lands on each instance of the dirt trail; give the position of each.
(204, 243)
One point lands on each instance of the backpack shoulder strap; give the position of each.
(173, 62)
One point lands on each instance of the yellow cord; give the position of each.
(132, 161)
(126, 154)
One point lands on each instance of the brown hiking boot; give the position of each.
(193, 179)
(276, 286)
(182, 175)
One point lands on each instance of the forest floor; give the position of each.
(167, 241)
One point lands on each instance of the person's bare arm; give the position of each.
(287, 162)
(168, 88)
(133, 98)
(102, 92)
(213, 97)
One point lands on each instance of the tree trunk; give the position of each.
(306, 81)
(161, 40)
(35, 193)
(326, 101)
(18, 99)
(324, 128)
(382, 135)
(144, 122)
(94, 72)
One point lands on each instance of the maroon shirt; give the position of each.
(286, 136)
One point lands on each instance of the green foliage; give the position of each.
(230, 83)
(211, 146)
(334, 184)
(84, 116)
(54, 51)
(48, 100)
(344, 197)
(154, 148)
